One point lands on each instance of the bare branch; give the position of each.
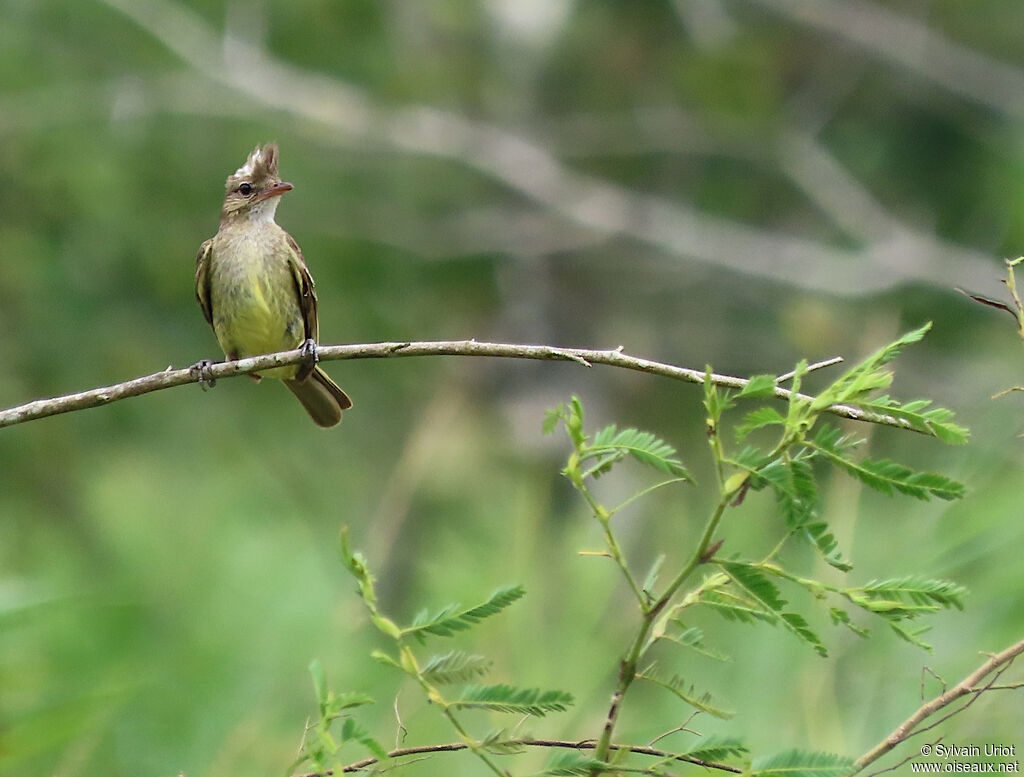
(615, 357)
(969, 686)
(587, 744)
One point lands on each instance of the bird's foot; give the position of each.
(309, 359)
(201, 371)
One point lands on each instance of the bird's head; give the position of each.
(253, 190)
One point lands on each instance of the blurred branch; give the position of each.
(555, 743)
(969, 686)
(168, 378)
(536, 173)
(901, 40)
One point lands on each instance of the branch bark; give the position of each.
(615, 357)
(557, 743)
(966, 687)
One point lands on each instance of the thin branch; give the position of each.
(969, 686)
(170, 377)
(587, 744)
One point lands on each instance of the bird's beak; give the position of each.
(276, 190)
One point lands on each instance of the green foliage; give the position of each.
(455, 666)
(322, 739)
(798, 763)
(693, 638)
(715, 748)
(684, 690)
(450, 619)
(610, 445)
(505, 698)
(884, 475)
(762, 595)
(747, 591)
(567, 764)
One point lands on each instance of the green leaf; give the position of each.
(686, 692)
(760, 589)
(551, 419)
(611, 445)
(889, 477)
(384, 658)
(798, 625)
(755, 584)
(758, 386)
(734, 608)
(455, 666)
(716, 748)
(714, 403)
(351, 730)
(355, 562)
(502, 742)
(915, 590)
(842, 617)
(818, 535)
(798, 763)
(316, 670)
(866, 377)
(652, 576)
(757, 419)
(570, 763)
(693, 638)
(937, 421)
(450, 619)
(505, 698)
(574, 422)
(913, 636)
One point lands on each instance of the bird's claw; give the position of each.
(201, 371)
(309, 359)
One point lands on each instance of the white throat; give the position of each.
(263, 212)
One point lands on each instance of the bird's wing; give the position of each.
(306, 289)
(203, 279)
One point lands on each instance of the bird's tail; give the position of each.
(322, 397)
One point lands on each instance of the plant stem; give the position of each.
(628, 665)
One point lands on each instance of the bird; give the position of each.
(255, 289)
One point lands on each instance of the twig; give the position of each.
(587, 744)
(966, 687)
(615, 357)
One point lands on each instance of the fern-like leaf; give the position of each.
(693, 638)
(351, 730)
(610, 445)
(567, 764)
(502, 742)
(686, 692)
(868, 376)
(448, 620)
(454, 667)
(799, 763)
(505, 698)
(736, 608)
(716, 748)
(761, 590)
(889, 477)
(917, 591)
(758, 419)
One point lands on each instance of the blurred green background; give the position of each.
(735, 182)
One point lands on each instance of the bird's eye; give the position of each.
(245, 188)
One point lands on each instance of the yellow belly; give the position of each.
(255, 305)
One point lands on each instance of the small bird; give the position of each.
(255, 289)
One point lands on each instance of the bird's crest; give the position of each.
(260, 166)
